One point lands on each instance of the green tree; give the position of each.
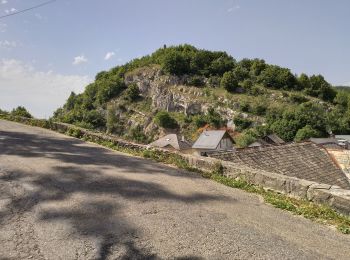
(241, 123)
(132, 92)
(305, 133)
(70, 101)
(214, 118)
(229, 81)
(95, 118)
(175, 63)
(278, 78)
(163, 119)
(107, 89)
(21, 111)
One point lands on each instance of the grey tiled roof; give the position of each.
(209, 139)
(276, 139)
(304, 160)
(344, 137)
(172, 140)
(324, 140)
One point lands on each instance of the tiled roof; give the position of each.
(276, 139)
(209, 139)
(304, 160)
(172, 140)
(324, 140)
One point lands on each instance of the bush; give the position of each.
(214, 81)
(196, 81)
(305, 133)
(241, 123)
(244, 107)
(132, 92)
(259, 109)
(298, 98)
(229, 81)
(136, 134)
(3, 112)
(175, 63)
(21, 111)
(245, 139)
(163, 119)
(200, 120)
(214, 118)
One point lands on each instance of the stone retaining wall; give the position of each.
(331, 195)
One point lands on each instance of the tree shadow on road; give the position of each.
(99, 213)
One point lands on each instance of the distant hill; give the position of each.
(184, 89)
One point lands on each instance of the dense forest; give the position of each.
(309, 107)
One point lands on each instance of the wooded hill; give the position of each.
(207, 88)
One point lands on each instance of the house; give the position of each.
(172, 142)
(213, 140)
(267, 140)
(329, 142)
(344, 141)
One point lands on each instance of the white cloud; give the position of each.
(12, 10)
(4, 2)
(8, 44)
(39, 91)
(79, 60)
(109, 55)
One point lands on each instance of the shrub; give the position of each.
(245, 139)
(259, 109)
(298, 98)
(196, 81)
(132, 92)
(175, 63)
(200, 120)
(241, 123)
(21, 111)
(163, 119)
(136, 134)
(305, 133)
(214, 118)
(229, 81)
(214, 81)
(94, 118)
(244, 107)
(3, 112)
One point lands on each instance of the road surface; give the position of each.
(61, 198)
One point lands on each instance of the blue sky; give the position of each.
(47, 52)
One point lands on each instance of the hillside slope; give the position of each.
(183, 89)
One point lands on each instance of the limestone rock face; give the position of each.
(167, 92)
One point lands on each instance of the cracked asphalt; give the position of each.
(61, 198)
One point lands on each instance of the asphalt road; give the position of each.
(61, 198)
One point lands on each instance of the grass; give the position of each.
(316, 212)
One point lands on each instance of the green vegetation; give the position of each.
(319, 213)
(132, 93)
(294, 107)
(163, 119)
(305, 133)
(229, 81)
(21, 111)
